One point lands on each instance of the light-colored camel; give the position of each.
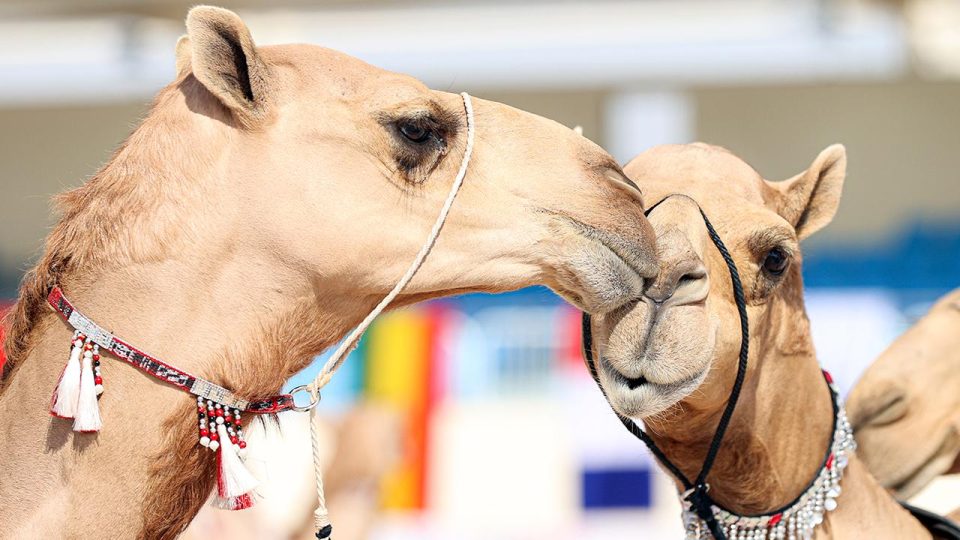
(905, 409)
(269, 199)
(670, 358)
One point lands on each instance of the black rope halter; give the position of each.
(695, 491)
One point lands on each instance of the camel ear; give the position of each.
(183, 55)
(810, 199)
(225, 60)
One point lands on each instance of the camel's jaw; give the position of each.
(599, 271)
(906, 475)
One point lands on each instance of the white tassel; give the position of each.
(68, 390)
(234, 481)
(87, 419)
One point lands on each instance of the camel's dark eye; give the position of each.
(414, 132)
(776, 261)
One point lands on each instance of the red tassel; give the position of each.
(235, 484)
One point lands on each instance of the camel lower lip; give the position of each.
(635, 383)
(908, 484)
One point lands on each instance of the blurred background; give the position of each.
(495, 428)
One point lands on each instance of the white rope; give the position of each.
(333, 364)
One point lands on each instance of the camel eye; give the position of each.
(776, 261)
(414, 132)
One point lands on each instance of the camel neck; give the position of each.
(775, 447)
(221, 320)
(776, 441)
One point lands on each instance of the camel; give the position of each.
(270, 198)
(905, 409)
(669, 359)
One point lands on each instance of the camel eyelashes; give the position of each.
(776, 261)
(420, 141)
(413, 132)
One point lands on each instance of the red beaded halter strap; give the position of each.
(220, 426)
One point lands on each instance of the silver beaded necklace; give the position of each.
(797, 520)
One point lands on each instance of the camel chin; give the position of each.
(906, 473)
(643, 367)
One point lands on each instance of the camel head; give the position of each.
(338, 168)
(905, 410)
(684, 333)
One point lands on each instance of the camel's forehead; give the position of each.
(337, 72)
(704, 172)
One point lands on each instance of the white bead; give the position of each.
(830, 505)
(205, 441)
(214, 445)
(219, 420)
(99, 389)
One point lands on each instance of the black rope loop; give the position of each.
(696, 491)
(702, 505)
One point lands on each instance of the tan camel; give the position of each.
(905, 409)
(269, 199)
(670, 358)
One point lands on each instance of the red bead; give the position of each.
(88, 346)
(830, 462)
(237, 422)
(242, 444)
(218, 412)
(97, 380)
(201, 408)
(234, 440)
(214, 436)
(774, 520)
(204, 432)
(96, 357)
(827, 376)
(81, 337)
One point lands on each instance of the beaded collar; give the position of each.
(219, 424)
(798, 519)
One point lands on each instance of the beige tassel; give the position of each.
(87, 419)
(68, 389)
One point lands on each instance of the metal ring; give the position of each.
(314, 398)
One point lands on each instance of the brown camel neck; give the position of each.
(775, 446)
(220, 318)
(776, 441)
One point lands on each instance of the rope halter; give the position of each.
(321, 517)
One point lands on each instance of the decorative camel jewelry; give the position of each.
(239, 232)
(722, 370)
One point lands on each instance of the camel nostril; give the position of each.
(691, 277)
(621, 179)
(684, 284)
